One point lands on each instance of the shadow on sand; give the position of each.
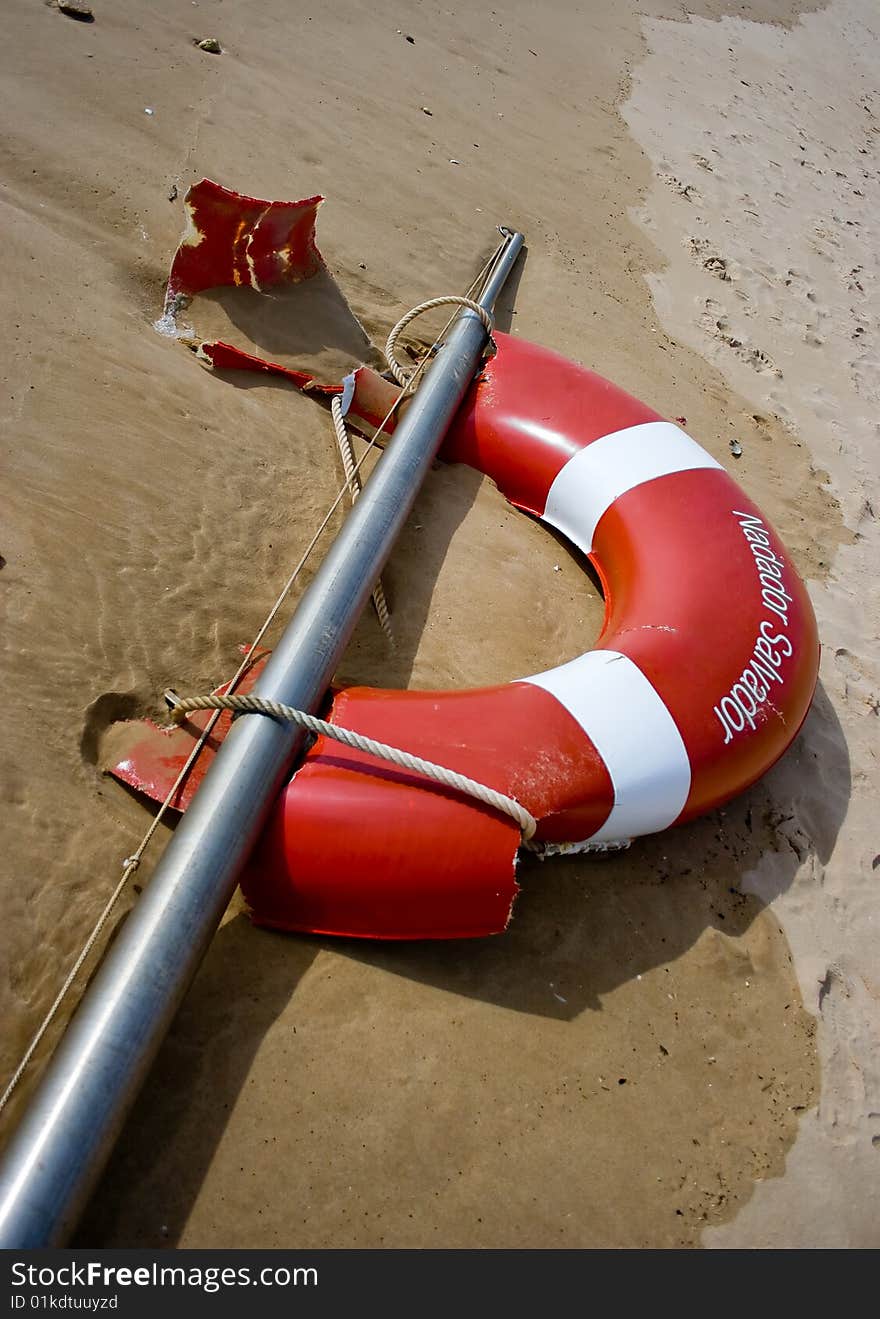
(586, 926)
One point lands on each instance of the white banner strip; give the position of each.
(634, 733)
(601, 472)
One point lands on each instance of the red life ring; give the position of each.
(699, 681)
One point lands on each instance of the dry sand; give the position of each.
(640, 1051)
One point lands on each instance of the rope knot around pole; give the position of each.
(402, 374)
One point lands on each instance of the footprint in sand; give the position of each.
(754, 357)
(842, 998)
(875, 1140)
(797, 282)
(762, 425)
(862, 327)
(855, 285)
(715, 323)
(686, 190)
(857, 680)
(719, 266)
(106, 710)
(864, 374)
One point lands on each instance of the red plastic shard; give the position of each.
(153, 761)
(371, 397)
(226, 357)
(233, 239)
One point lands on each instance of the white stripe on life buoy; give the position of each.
(635, 735)
(348, 387)
(604, 470)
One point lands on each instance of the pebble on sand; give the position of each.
(73, 9)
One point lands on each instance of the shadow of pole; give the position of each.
(160, 1162)
(506, 301)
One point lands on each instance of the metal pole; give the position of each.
(65, 1138)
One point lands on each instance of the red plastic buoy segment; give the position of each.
(358, 847)
(701, 677)
(346, 853)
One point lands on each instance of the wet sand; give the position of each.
(764, 206)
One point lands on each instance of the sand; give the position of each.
(764, 205)
(670, 1047)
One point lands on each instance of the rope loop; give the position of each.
(403, 373)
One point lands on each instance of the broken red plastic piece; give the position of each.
(226, 357)
(153, 763)
(371, 398)
(233, 239)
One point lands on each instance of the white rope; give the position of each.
(405, 377)
(355, 485)
(404, 759)
(403, 374)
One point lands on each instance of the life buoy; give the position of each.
(700, 679)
